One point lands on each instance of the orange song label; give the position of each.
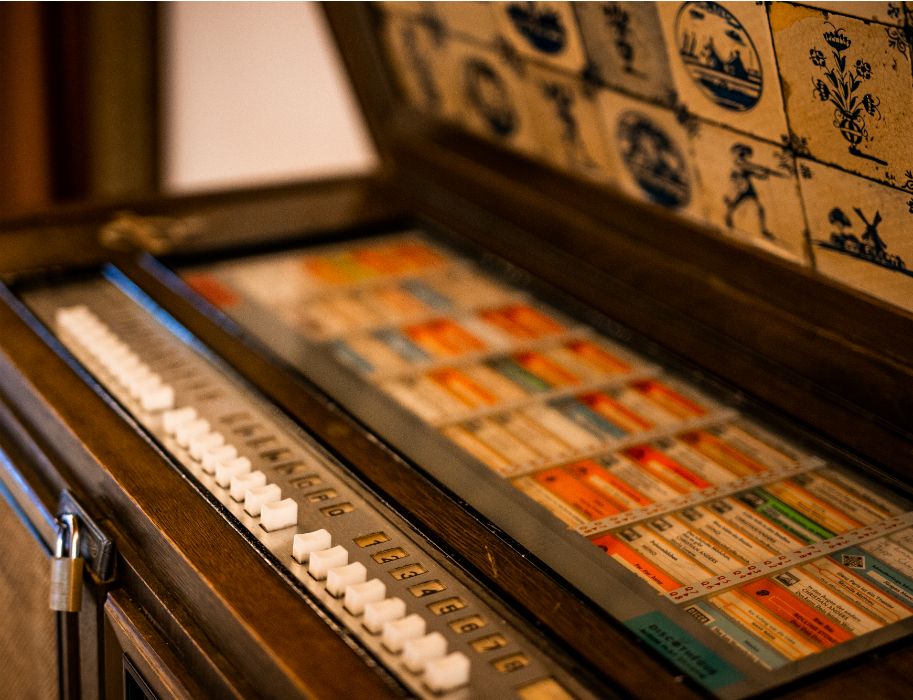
(595, 356)
(585, 500)
(471, 393)
(546, 368)
(796, 613)
(444, 338)
(721, 453)
(633, 561)
(617, 413)
(597, 477)
(522, 321)
(212, 290)
(669, 399)
(665, 468)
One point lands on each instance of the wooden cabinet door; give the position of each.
(28, 627)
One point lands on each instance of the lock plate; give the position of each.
(95, 547)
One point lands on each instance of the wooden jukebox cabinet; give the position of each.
(601, 387)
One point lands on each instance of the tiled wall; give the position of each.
(788, 126)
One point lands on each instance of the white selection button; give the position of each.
(230, 468)
(173, 419)
(258, 496)
(359, 595)
(447, 673)
(383, 611)
(321, 561)
(418, 652)
(160, 398)
(396, 633)
(187, 431)
(212, 457)
(200, 444)
(242, 482)
(338, 578)
(279, 514)
(141, 380)
(305, 543)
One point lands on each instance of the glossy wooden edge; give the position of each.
(128, 631)
(153, 512)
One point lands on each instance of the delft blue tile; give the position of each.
(751, 191)
(491, 91)
(651, 153)
(849, 90)
(625, 45)
(566, 115)
(885, 12)
(723, 64)
(468, 20)
(546, 32)
(420, 60)
(861, 231)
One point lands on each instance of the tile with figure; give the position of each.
(652, 153)
(491, 92)
(420, 56)
(722, 62)
(754, 194)
(861, 231)
(567, 121)
(546, 32)
(625, 47)
(848, 89)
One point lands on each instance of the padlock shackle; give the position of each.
(67, 534)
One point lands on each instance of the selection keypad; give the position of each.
(423, 624)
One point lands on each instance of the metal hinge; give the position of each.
(154, 234)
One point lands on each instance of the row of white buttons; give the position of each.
(235, 473)
(190, 432)
(94, 336)
(385, 616)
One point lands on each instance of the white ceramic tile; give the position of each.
(566, 115)
(624, 43)
(420, 59)
(886, 12)
(861, 231)
(543, 31)
(650, 149)
(752, 191)
(491, 92)
(848, 90)
(723, 64)
(471, 20)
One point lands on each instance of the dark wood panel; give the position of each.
(67, 237)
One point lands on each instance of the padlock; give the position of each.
(66, 566)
